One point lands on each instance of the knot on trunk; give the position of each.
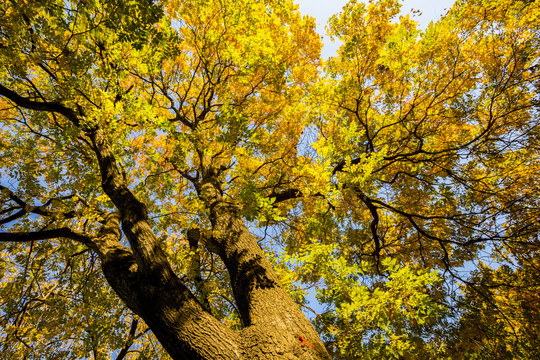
(210, 191)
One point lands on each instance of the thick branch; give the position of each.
(286, 195)
(194, 273)
(374, 222)
(131, 336)
(25, 236)
(13, 217)
(290, 194)
(133, 212)
(144, 243)
(341, 165)
(29, 104)
(165, 304)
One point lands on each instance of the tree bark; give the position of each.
(275, 325)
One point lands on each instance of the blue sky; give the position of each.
(321, 10)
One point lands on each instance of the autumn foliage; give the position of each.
(178, 178)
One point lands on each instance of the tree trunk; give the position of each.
(275, 328)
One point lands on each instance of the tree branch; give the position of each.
(374, 223)
(39, 210)
(25, 236)
(133, 213)
(141, 275)
(131, 336)
(134, 216)
(285, 195)
(27, 103)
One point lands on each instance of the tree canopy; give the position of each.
(178, 176)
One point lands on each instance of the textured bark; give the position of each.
(275, 326)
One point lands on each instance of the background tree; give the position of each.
(186, 154)
(428, 145)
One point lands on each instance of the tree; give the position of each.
(432, 138)
(192, 156)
